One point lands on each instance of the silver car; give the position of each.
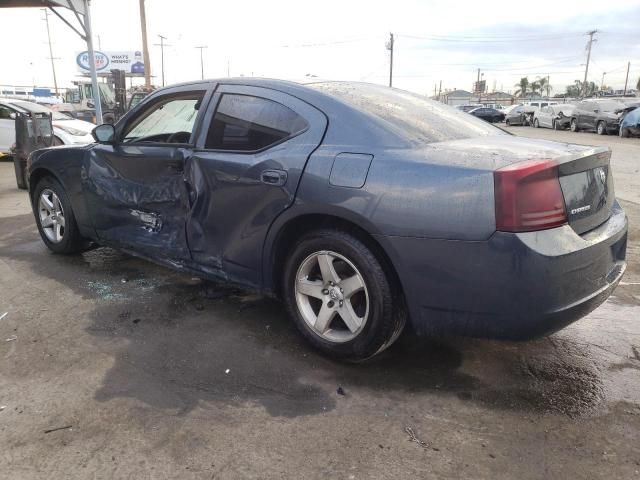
(557, 117)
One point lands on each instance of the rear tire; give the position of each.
(507, 123)
(55, 219)
(574, 125)
(536, 124)
(342, 321)
(624, 132)
(601, 128)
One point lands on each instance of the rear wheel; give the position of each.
(55, 219)
(624, 132)
(574, 125)
(536, 124)
(340, 297)
(601, 128)
(507, 123)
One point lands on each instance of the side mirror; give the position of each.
(12, 116)
(104, 133)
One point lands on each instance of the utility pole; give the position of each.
(439, 89)
(390, 48)
(201, 62)
(53, 64)
(586, 69)
(228, 67)
(626, 80)
(602, 81)
(162, 45)
(145, 46)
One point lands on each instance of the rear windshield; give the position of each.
(419, 119)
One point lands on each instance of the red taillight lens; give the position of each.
(528, 197)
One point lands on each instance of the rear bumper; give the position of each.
(512, 286)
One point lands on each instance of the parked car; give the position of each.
(597, 115)
(556, 116)
(66, 130)
(520, 115)
(630, 125)
(490, 115)
(468, 108)
(360, 206)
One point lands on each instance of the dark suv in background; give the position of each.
(599, 115)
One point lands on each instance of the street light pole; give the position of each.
(145, 46)
(201, 61)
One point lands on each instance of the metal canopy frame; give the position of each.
(81, 10)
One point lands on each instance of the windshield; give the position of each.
(36, 108)
(609, 106)
(418, 118)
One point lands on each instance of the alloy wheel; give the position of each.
(51, 216)
(331, 296)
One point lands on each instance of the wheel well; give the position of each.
(296, 228)
(37, 175)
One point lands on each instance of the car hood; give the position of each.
(81, 125)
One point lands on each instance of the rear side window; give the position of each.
(247, 123)
(411, 116)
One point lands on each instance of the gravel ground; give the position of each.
(111, 367)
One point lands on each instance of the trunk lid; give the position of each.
(584, 171)
(587, 187)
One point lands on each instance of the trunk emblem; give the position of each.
(580, 209)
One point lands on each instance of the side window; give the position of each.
(169, 120)
(5, 113)
(246, 123)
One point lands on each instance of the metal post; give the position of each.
(53, 65)
(92, 63)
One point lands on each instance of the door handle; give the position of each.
(276, 178)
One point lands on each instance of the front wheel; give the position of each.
(536, 124)
(340, 297)
(574, 125)
(624, 132)
(55, 219)
(601, 128)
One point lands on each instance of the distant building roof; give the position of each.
(493, 95)
(459, 93)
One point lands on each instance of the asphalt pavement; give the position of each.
(112, 367)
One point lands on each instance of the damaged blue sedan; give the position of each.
(362, 207)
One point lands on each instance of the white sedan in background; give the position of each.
(66, 130)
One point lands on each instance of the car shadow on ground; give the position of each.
(179, 342)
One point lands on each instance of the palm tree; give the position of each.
(544, 85)
(535, 86)
(523, 86)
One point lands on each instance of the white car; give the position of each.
(66, 129)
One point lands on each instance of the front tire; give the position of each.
(574, 125)
(624, 132)
(536, 124)
(601, 128)
(55, 219)
(340, 297)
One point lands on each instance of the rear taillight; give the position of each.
(528, 197)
